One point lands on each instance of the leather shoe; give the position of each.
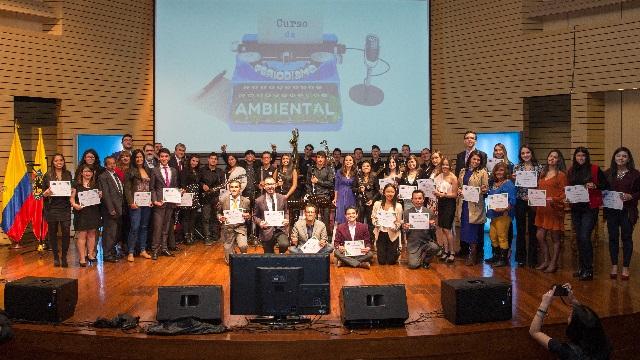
(110, 259)
(154, 256)
(365, 265)
(166, 253)
(578, 274)
(586, 276)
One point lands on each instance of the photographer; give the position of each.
(587, 339)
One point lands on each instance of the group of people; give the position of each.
(364, 193)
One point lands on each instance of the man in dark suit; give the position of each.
(470, 139)
(150, 160)
(420, 245)
(112, 202)
(307, 228)
(162, 177)
(271, 235)
(353, 230)
(211, 177)
(177, 161)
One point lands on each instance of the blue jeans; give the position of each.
(618, 223)
(139, 225)
(584, 219)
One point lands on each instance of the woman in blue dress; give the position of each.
(344, 196)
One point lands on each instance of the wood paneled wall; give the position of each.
(489, 56)
(94, 56)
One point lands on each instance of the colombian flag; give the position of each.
(38, 222)
(16, 212)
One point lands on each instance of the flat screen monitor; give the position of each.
(279, 285)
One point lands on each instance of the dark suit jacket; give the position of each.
(112, 197)
(415, 237)
(460, 163)
(343, 234)
(258, 214)
(173, 162)
(157, 183)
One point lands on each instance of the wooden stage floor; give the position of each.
(108, 289)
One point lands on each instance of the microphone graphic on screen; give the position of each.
(365, 93)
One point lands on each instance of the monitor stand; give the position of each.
(280, 320)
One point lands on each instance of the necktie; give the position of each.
(166, 176)
(273, 203)
(118, 184)
(234, 206)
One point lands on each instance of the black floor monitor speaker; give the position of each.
(41, 298)
(366, 306)
(204, 302)
(473, 300)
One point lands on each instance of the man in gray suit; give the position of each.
(272, 235)
(307, 228)
(420, 246)
(112, 202)
(233, 234)
(162, 176)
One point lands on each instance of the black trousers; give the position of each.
(526, 242)
(210, 225)
(388, 251)
(111, 229)
(162, 223)
(52, 236)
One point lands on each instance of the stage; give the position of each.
(107, 289)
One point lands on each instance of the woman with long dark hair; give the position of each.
(387, 235)
(235, 172)
(343, 185)
(625, 179)
(526, 243)
(550, 218)
(587, 339)
(190, 182)
(472, 215)
(57, 210)
(287, 177)
(86, 219)
(91, 158)
(410, 177)
(137, 179)
(585, 215)
(366, 189)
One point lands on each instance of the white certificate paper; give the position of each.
(186, 199)
(274, 218)
(89, 197)
(233, 217)
(386, 218)
(528, 179)
(612, 200)
(353, 247)
(383, 182)
(418, 221)
(60, 188)
(428, 187)
(171, 195)
(576, 194)
(142, 198)
(311, 246)
(470, 193)
(537, 197)
(491, 163)
(405, 191)
(498, 201)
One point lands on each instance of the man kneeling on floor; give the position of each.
(307, 228)
(420, 246)
(353, 241)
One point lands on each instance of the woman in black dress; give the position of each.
(366, 189)
(190, 182)
(57, 209)
(86, 218)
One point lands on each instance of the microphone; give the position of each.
(365, 93)
(371, 49)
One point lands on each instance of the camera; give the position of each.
(560, 290)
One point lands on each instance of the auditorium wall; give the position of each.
(75, 66)
(551, 69)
